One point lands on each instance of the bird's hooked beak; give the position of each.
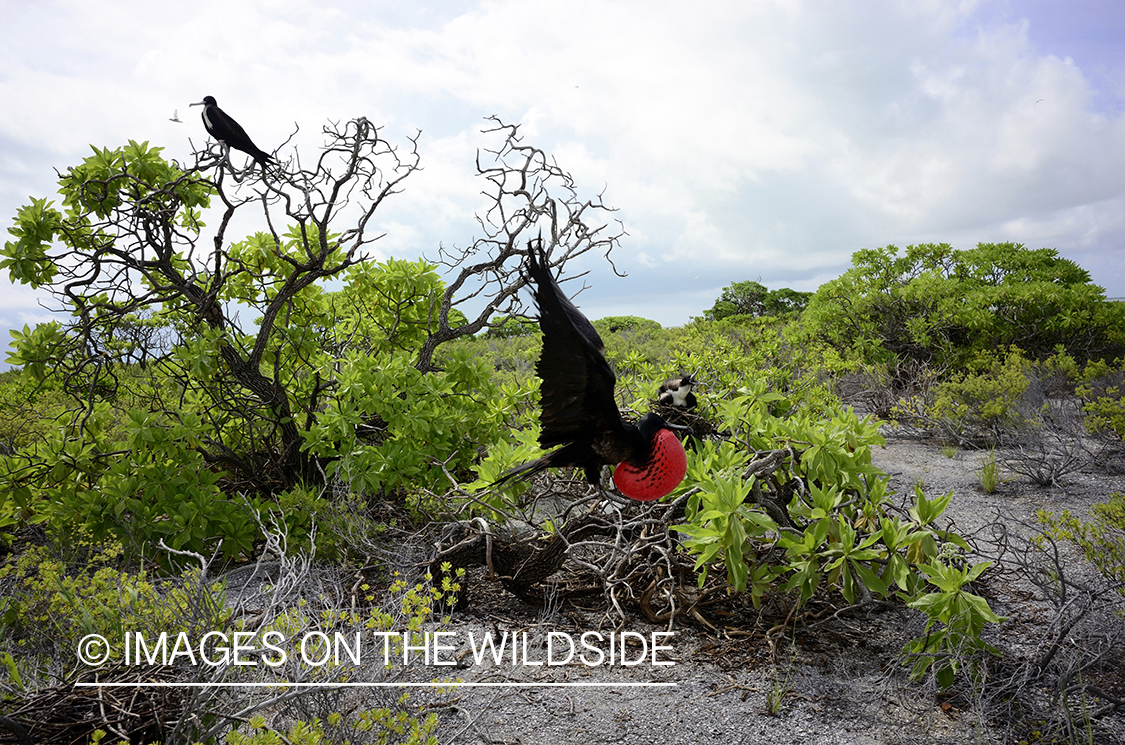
(676, 427)
(197, 103)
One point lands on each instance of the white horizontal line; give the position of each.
(374, 685)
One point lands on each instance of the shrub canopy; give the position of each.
(936, 305)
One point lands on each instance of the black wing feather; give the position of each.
(231, 132)
(577, 382)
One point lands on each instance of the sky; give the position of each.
(741, 140)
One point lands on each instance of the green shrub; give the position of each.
(989, 473)
(956, 620)
(1101, 539)
(388, 428)
(50, 606)
(942, 307)
(985, 399)
(184, 421)
(1103, 397)
(27, 410)
(635, 347)
(615, 324)
(153, 486)
(834, 532)
(988, 400)
(746, 300)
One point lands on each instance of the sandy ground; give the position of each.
(838, 683)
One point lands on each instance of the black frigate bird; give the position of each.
(226, 130)
(578, 408)
(677, 392)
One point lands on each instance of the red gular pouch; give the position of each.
(665, 470)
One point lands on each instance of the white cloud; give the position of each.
(747, 139)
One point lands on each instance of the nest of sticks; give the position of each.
(69, 714)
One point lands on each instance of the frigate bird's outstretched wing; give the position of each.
(577, 381)
(579, 411)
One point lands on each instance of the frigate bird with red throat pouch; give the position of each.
(579, 412)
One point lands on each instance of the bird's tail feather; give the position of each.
(266, 161)
(568, 455)
(525, 471)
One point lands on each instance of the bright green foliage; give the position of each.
(27, 410)
(636, 348)
(388, 305)
(184, 422)
(719, 521)
(504, 455)
(109, 178)
(511, 358)
(26, 257)
(153, 485)
(979, 402)
(1101, 538)
(388, 427)
(753, 299)
(52, 606)
(957, 618)
(727, 354)
(35, 348)
(1106, 412)
(933, 304)
(1103, 396)
(615, 324)
(95, 190)
(1099, 385)
(986, 396)
(834, 531)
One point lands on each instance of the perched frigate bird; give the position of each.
(578, 408)
(676, 392)
(224, 129)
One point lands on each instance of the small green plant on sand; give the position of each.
(989, 472)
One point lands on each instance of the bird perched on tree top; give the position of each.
(578, 408)
(226, 130)
(677, 392)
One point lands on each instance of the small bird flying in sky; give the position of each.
(176, 116)
(579, 411)
(226, 130)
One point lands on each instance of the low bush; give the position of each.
(794, 503)
(981, 405)
(49, 604)
(1103, 397)
(1101, 538)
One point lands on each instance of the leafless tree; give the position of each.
(527, 193)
